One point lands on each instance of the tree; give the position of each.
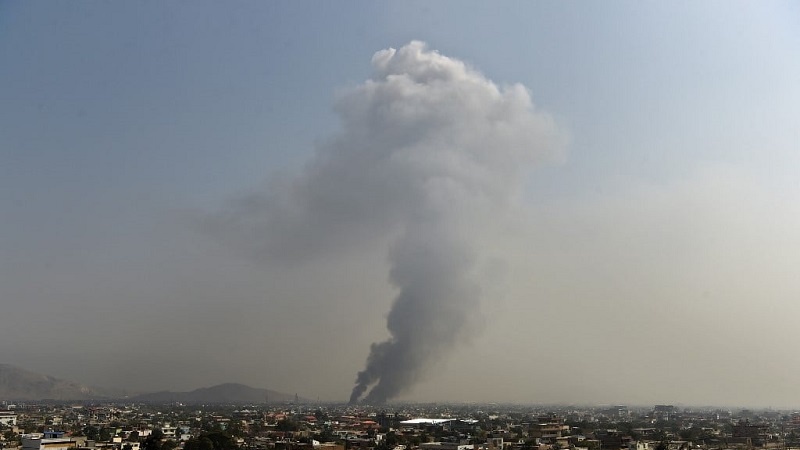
(423, 437)
(325, 435)
(235, 428)
(91, 432)
(153, 442)
(391, 439)
(29, 426)
(104, 435)
(287, 425)
(221, 440)
(255, 428)
(198, 443)
(215, 440)
(11, 437)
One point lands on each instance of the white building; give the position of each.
(8, 418)
(168, 430)
(639, 445)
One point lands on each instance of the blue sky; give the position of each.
(119, 120)
(122, 95)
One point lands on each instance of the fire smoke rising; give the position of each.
(430, 153)
(469, 146)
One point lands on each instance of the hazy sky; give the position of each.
(204, 192)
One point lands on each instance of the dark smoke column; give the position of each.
(448, 150)
(436, 303)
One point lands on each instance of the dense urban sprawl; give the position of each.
(50, 426)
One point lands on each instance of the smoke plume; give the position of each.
(430, 155)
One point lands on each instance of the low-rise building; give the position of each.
(49, 440)
(8, 418)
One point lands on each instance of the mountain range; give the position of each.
(221, 393)
(17, 384)
(21, 384)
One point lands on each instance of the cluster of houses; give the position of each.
(404, 427)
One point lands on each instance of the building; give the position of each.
(444, 446)
(757, 434)
(639, 445)
(8, 418)
(49, 440)
(664, 412)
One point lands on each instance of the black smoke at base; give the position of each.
(437, 302)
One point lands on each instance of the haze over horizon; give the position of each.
(240, 192)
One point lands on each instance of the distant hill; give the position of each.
(21, 384)
(17, 384)
(221, 393)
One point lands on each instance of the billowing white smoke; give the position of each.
(429, 151)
